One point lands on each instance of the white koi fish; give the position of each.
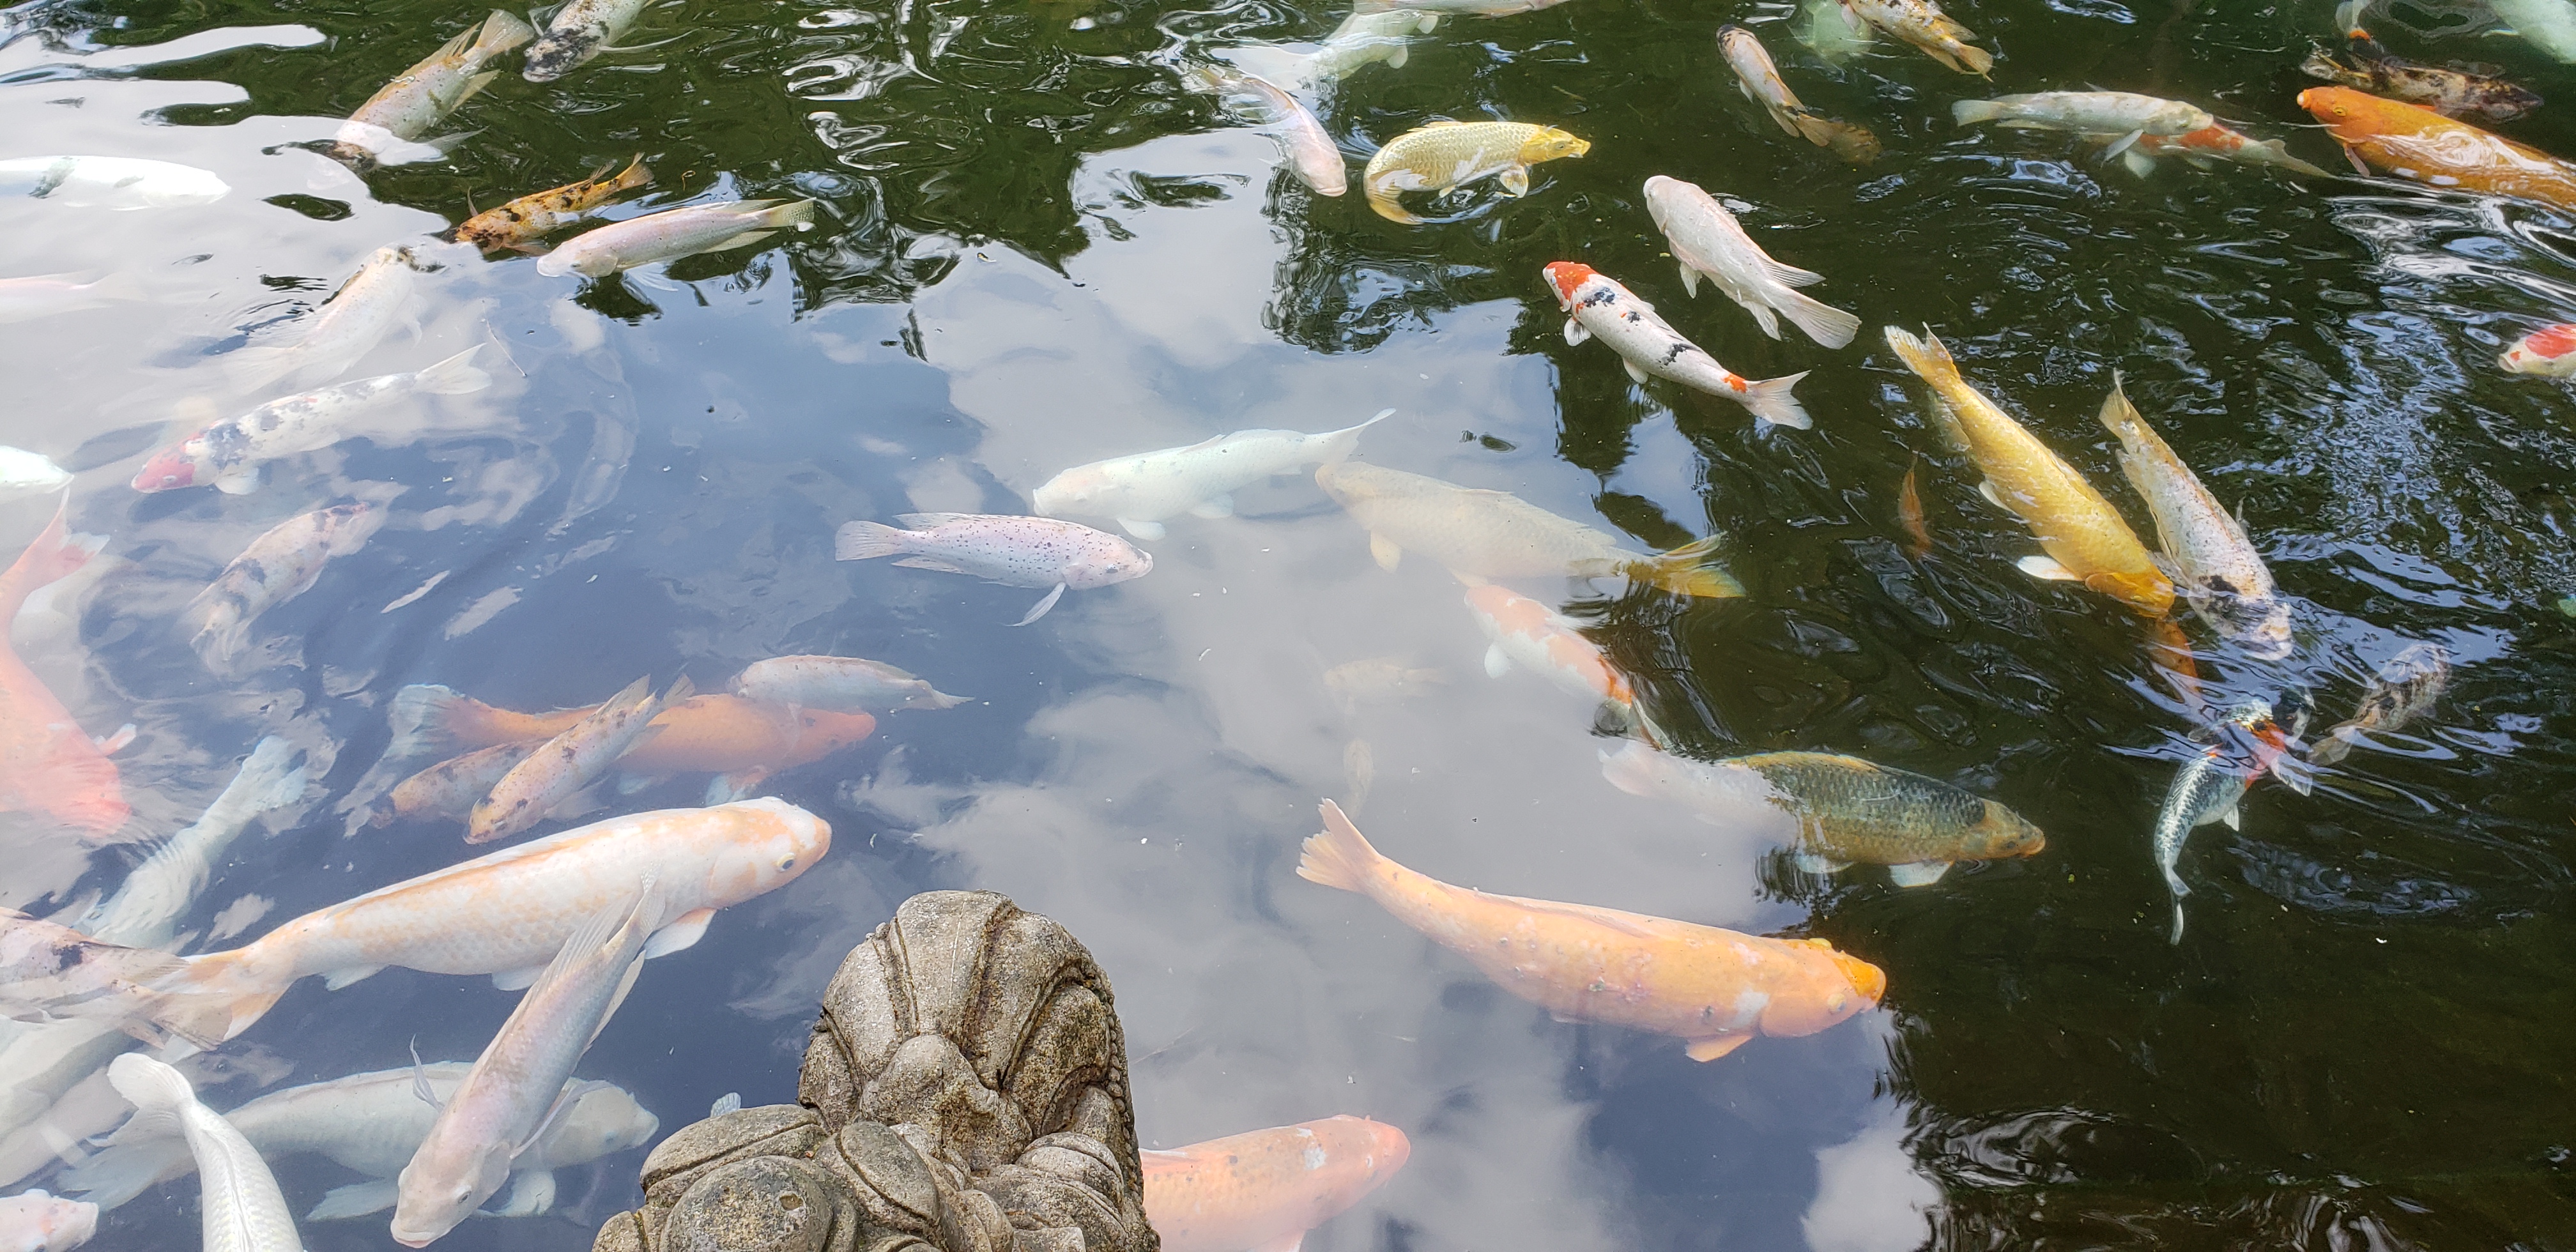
(1480, 534)
(1141, 490)
(278, 566)
(1364, 39)
(2214, 565)
(2124, 114)
(1707, 240)
(351, 323)
(229, 453)
(102, 182)
(579, 31)
(24, 473)
(839, 684)
(45, 295)
(672, 234)
(508, 913)
(998, 547)
(1525, 633)
(32, 1221)
(1311, 153)
(1597, 306)
(239, 1204)
(383, 130)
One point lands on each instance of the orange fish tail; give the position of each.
(220, 995)
(433, 720)
(1338, 856)
(53, 555)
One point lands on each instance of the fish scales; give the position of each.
(1262, 1187)
(405, 108)
(2420, 145)
(2223, 574)
(714, 733)
(1443, 155)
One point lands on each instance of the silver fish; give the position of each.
(239, 1205)
(999, 547)
(672, 234)
(24, 473)
(838, 684)
(2405, 688)
(2206, 789)
(1708, 241)
(229, 453)
(353, 321)
(1142, 490)
(383, 129)
(580, 30)
(277, 567)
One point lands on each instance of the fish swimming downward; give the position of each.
(1708, 241)
(742, 741)
(1311, 153)
(1922, 23)
(1597, 307)
(229, 454)
(2449, 92)
(838, 684)
(1713, 988)
(998, 547)
(520, 223)
(2549, 352)
(1534, 637)
(2420, 145)
(2208, 787)
(385, 130)
(1833, 810)
(347, 326)
(571, 761)
(50, 972)
(33, 1221)
(2085, 539)
(1141, 491)
(2210, 144)
(1480, 534)
(48, 765)
(1440, 156)
(1761, 82)
(2125, 114)
(674, 233)
(2406, 687)
(239, 1206)
(281, 564)
(2216, 567)
(1264, 1189)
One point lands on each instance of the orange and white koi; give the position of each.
(48, 765)
(1714, 988)
(1264, 1189)
(743, 740)
(521, 222)
(1922, 23)
(1596, 306)
(33, 1221)
(2549, 352)
(2420, 145)
(570, 761)
(2214, 142)
(1760, 80)
(1708, 241)
(1545, 642)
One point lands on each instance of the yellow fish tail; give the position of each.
(1685, 571)
(2121, 418)
(1387, 208)
(1338, 856)
(1926, 357)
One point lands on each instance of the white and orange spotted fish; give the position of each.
(1528, 634)
(1597, 307)
(2549, 352)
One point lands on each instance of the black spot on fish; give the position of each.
(1602, 295)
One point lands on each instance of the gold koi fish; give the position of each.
(1441, 155)
(518, 224)
(1923, 24)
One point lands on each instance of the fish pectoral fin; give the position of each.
(2234, 817)
(1384, 551)
(1690, 279)
(1810, 863)
(939, 564)
(2359, 166)
(727, 788)
(1994, 495)
(1496, 663)
(681, 932)
(517, 979)
(532, 1191)
(339, 978)
(1711, 1049)
(117, 742)
(1141, 528)
(1040, 608)
(1635, 371)
(1214, 507)
(1515, 180)
(1918, 873)
(2295, 774)
(355, 1200)
(2139, 163)
(240, 482)
(2047, 568)
(1574, 331)
(2123, 143)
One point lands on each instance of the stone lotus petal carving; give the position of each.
(965, 1091)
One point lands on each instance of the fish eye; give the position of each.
(786, 863)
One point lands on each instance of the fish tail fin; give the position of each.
(1828, 326)
(634, 176)
(1788, 118)
(1770, 401)
(1926, 357)
(269, 779)
(1387, 208)
(2281, 157)
(1971, 112)
(153, 1088)
(127, 1166)
(859, 541)
(1337, 856)
(429, 719)
(938, 699)
(799, 214)
(231, 996)
(2119, 416)
(1685, 571)
(1339, 445)
(502, 31)
(205, 1021)
(257, 366)
(1973, 59)
(55, 553)
(454, 376)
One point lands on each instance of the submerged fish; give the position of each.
(674, 233)
(2549, 25)
(2423, 146)
(1371, 680)
(1551, 645)
(1714, 988)
(507, 913)
(521, 222)
(2216, 566)
(2405, 688)
(1311, 153)
(1473, 8)
(1762, 84)
(1708, 241)
(1923, 24)
(2449, 92)
(2208, 786)
(45, 295)
(508, 1098)
(1597, 306)
(239, 1206)
(372, 1123)
(452, 787)
(1834, 810)
(385, 128)
(347, 326)
(1482, 534)
(2085, 539)
(1364, 39)
(743, 741)
(32, 1221)
(145, 910)
(2125, 114)
(1264, 1189)
(838, 684)
(570, 761)
(1439, 156)
(229, 454)
(277, 567)
(580, 30)
(2211, 143)
(1909, 514)
(103, 182)
(2549, 352)
(998, 547)
(52, 767)
(50, 972)
(24, 473)
(1142, 490)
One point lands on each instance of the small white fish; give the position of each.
(348, 325)
(239, 1205)
(502, 1108)
(2212, 562)
(579, 31)
(45, 295)
(2124, 114)
(1364, 39)
(145, 911)
(1142, 490)
(24, 473)
(1707, 240)
(999, 547)
(384, 129)
(1597, 306)
(277, 567)
(838, 684)
(229, 453)
(101, 182)
(1311, 153)
(672, 234)
(35, 1222)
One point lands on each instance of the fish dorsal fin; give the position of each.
(924, 521)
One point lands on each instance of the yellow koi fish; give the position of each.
(521, 222)
(1441, 155)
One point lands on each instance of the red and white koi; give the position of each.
(1597, 306)
(1545, 642)
(2549, 352)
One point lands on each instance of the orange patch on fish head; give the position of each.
(169, 469)
(1384, 1147)
(1867, 979)
(2550, 341)
(1568, 277)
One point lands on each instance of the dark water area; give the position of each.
(1036, 248)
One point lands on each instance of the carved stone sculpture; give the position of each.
(965, 1091)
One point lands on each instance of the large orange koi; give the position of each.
(48, 765)
(2423, 146)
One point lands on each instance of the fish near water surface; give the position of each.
(1483, 534)
(521, 222)
(1923, 24)
(347, 326)
(105, 182)
(744, 741)
(452, 787)
(239, 1206)
(24, 473)
(671, 234)
(838, 684)
(1597, 307)
(1708, 241)
(2549, 352)
(1364, 39)
(578, 31)
(48, 765)
(1264, 1189)
(1761, 83)
(1834, 810)
(2423, 146)
(1311, 153)
(33, 1221)
(2449, 92)
(1528, 634)
(2208, 787)
(383, 130)
(570, 761)
(229, 454)
(2213, 143)
(1142, 490)
(1003, 548)
(2406, 687)
(1440, 156)
(2219, 571)
(2086, 540)
(50, 972)
(46, 295)
(1713, 988)
(278, 566)
(2125, 114)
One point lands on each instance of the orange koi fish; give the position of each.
(1909, 514)
(1714, 988)
(2549, 352)
(2423, 146)
(744, 740)
(1264, 1189)
(47, 764)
